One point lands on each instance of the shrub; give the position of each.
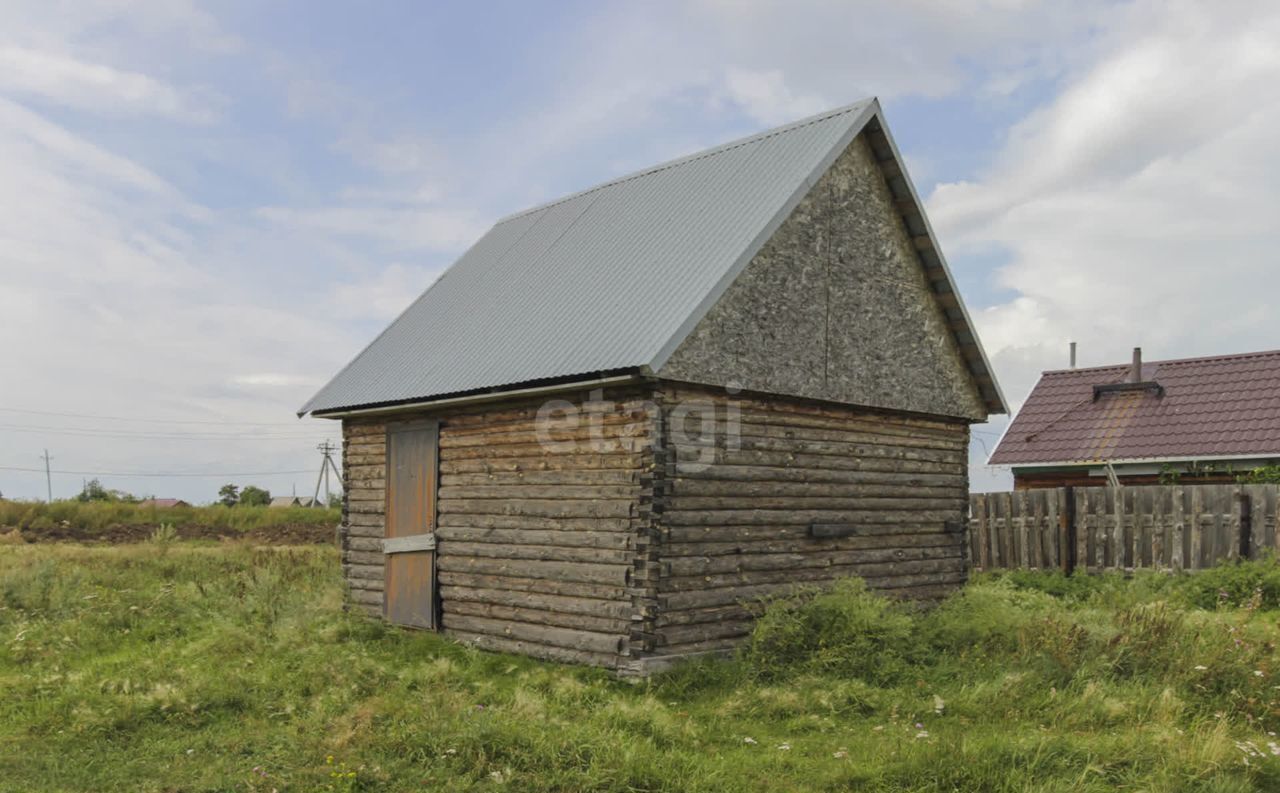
(1234, 585)
(845, 630)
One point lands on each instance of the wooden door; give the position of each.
(409, 591)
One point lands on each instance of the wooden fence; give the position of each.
(1166, 527)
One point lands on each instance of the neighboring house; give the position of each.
(624, 416)
(1194, 420)
(293, 501)
(163, 502)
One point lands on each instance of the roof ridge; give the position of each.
(1199, 359)
(702, 154)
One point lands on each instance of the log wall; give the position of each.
(888, 491)
(655, 534)
(536, 545)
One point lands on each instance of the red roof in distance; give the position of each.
(1222, 406)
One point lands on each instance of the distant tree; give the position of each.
(94, 491)
(335, 500)
(229, 495)
(252, 496)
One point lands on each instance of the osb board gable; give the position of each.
(835, 306)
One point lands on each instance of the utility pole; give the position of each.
(326, 449)
(48, 478)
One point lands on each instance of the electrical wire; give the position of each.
(154, 473)
(149, 420)
(190, 436)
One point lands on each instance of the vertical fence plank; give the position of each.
(1081, 510)
(984, 538)
(1099, 496)
(1197, 530)
(1053, 531)
(1235, 503)
(1024, 555)
(1177, 559)
(1157, 528)
(1117, 539)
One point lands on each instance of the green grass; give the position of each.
(180, 667)
(100, 515)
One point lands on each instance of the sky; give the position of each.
(207, 209)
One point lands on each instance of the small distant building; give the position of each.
(163, 503)
(1193, 420)
(294, 501)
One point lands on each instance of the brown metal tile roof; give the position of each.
(1225, 406)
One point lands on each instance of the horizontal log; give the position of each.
(614, 403)
(353, 459)
(546, 508)
(729, 533)
(705, 646)
(565, 604)
(357, 507)
(363, 557)
(516, 583)
(555, 431)
(372, 597)
(363, 543)
(708, 598)
(550, 553)
(905, 503)
(534, 649)
(583, 572)
(729, 613)
(620, 446)
(497, 611)
(545, 492)
(546, 462)
(607, 476)
(534, 522)
(566, 638)
(696, 633)
(696, 431)
(565, 539)
(700, 452)
(745, 563)
(749, 578)
(797, 543)
(370, 610)
(741, 489)
(763, 475)
(775, 517)
(373, 572)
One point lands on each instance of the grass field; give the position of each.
(187, 667)
(88, 520)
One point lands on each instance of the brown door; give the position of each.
(410, 587)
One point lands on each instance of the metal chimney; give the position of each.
(1073, 355)
(1135, 369)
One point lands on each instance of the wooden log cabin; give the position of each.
(623, 417)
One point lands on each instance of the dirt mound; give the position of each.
(284, 534)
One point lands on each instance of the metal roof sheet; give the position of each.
(604, 280)
(1226, 406)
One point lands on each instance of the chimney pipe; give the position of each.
(1135, 369)
(1073, 355)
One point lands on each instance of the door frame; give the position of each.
(413, 543)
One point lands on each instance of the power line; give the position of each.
(154, 473)
(148, 420)
(208, 436)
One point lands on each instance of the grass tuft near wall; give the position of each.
(170, 666)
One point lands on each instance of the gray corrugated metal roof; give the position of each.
(608, 279)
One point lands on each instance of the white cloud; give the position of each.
(98, 87)
(404, 229)
(766, 97)
(384, 296)
(1137, 207)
